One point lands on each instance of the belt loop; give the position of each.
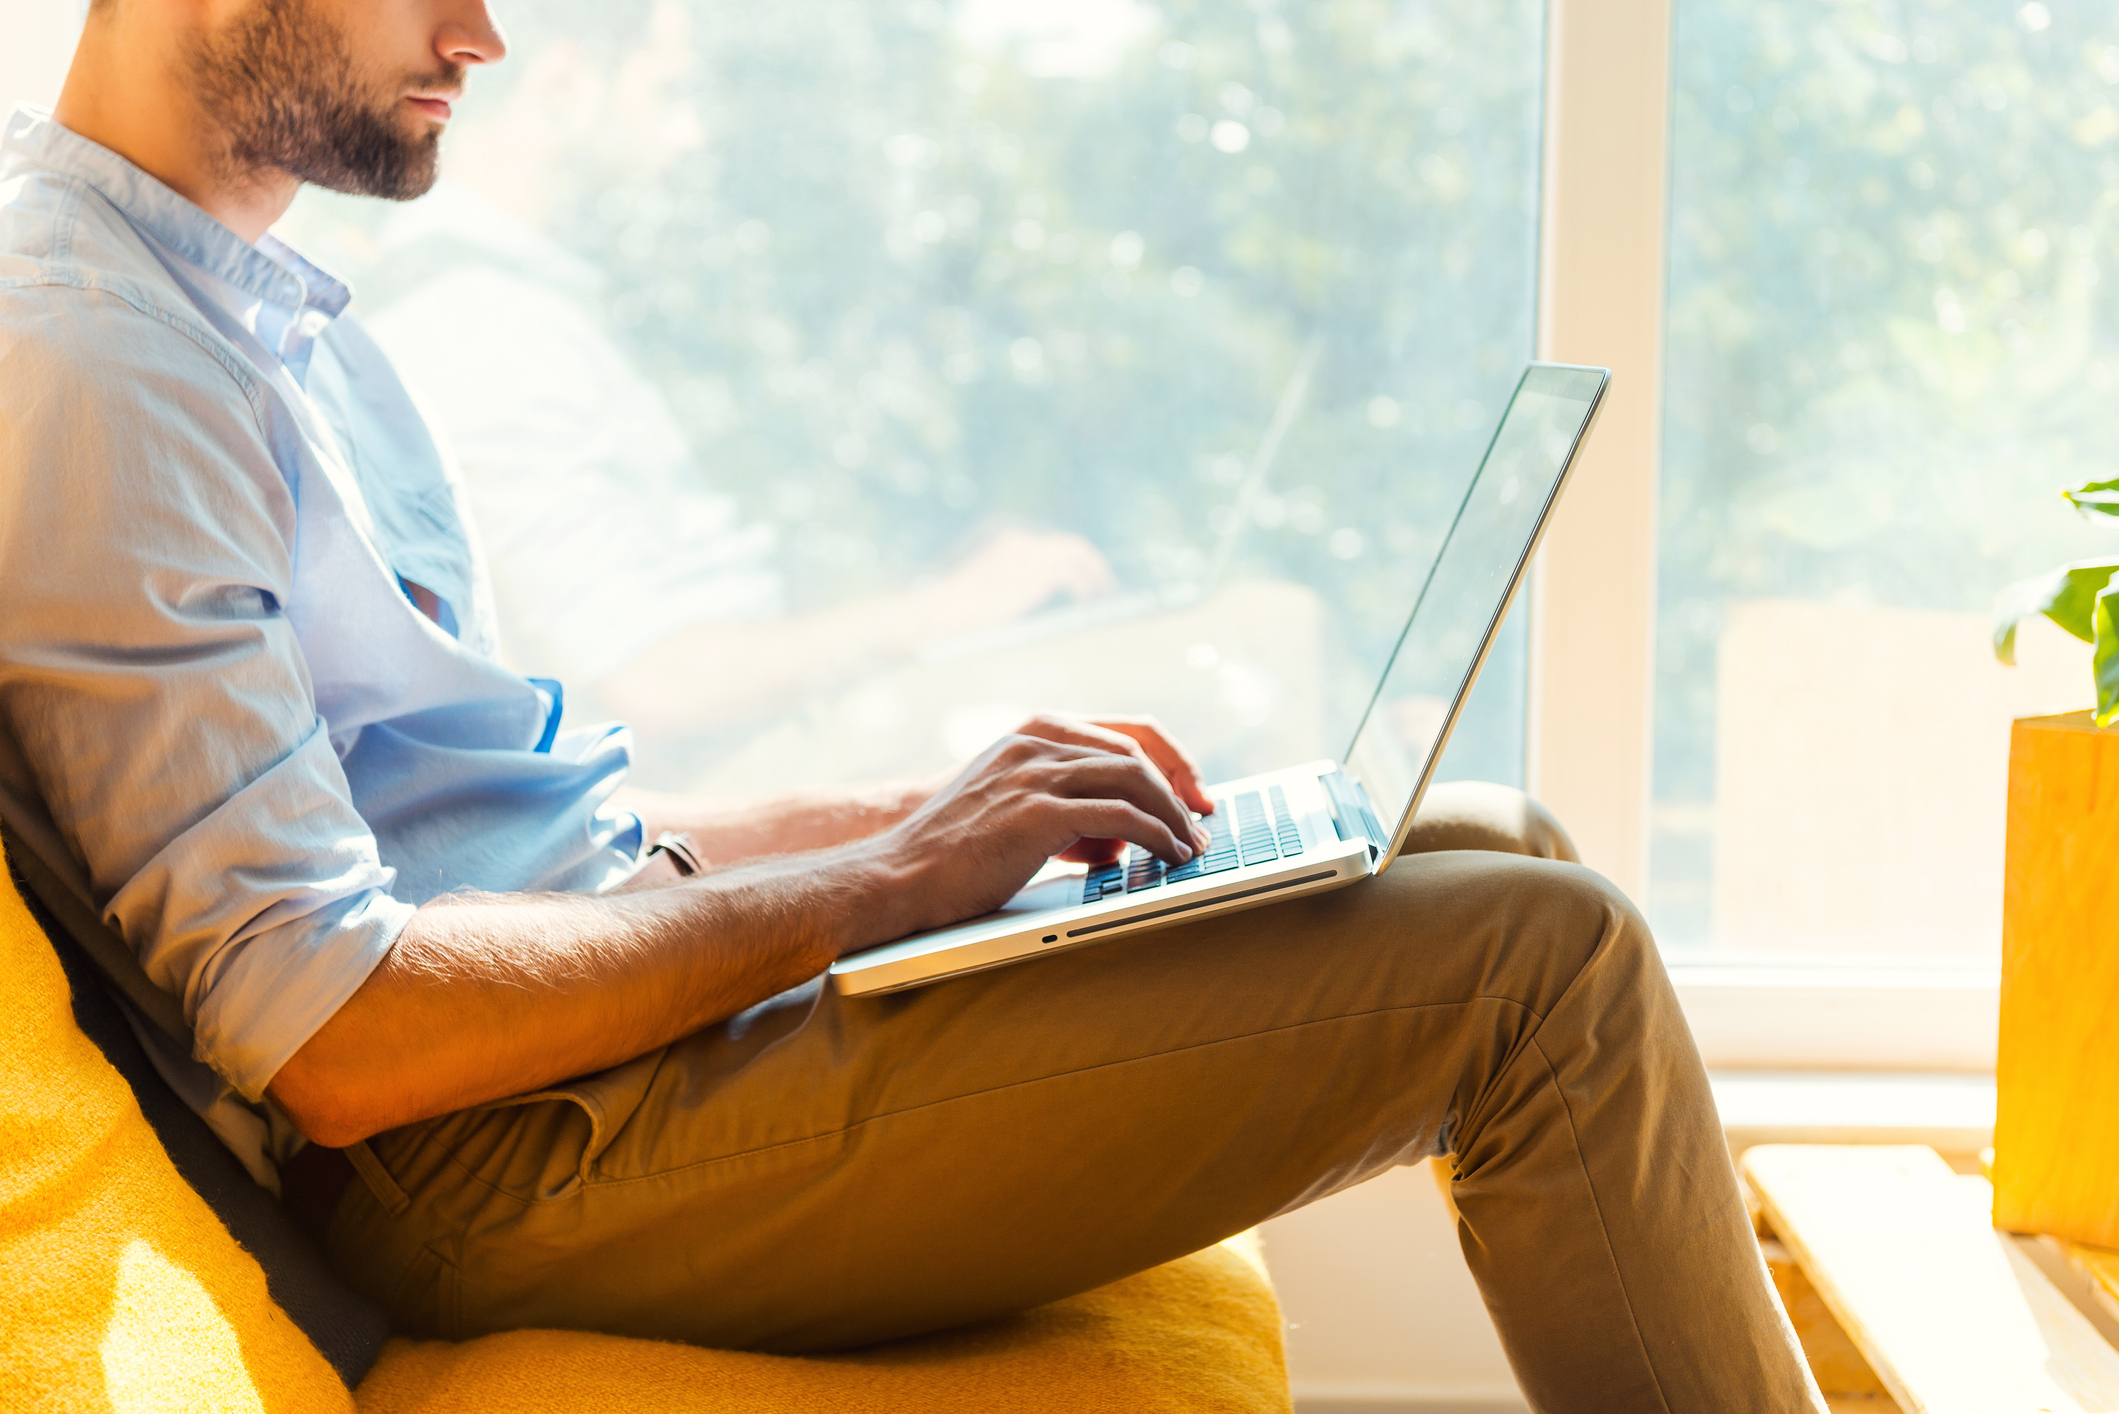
(394, 1199)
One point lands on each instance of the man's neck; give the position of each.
(122, 94)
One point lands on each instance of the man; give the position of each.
(249, 708)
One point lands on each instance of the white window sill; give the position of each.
(1951, 1113)
(1912, 1018)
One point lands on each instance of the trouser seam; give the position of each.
(1532, 1043)
(1574, 1134)
(866, 1120)
(1530, 1039)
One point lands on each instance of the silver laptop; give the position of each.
(1325, 824)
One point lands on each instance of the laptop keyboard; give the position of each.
(1253, 828)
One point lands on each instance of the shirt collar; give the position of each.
(300, 295)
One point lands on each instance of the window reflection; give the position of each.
(833, 380)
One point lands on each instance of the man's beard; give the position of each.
(281, 84)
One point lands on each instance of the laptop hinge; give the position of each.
(1352, 815)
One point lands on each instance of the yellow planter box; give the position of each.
(2056, 1131)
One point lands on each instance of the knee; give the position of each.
(1480, 924)
(1616, 969)
(1546, 835)
(1594, 907)
(1563, 922)
(1483, 816)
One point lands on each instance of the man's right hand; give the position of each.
(1022, 801)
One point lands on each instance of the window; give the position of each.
(821, 295)
(1230, 291)
(1890, 342)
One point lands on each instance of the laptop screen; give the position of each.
(1469, 586)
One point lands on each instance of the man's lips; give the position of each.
(437, 108)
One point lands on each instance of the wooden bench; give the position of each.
(1906, 1298)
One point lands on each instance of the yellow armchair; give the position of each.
(125, 1294)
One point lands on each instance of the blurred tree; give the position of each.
(908, 268)
(1890, 340)
(973, 289)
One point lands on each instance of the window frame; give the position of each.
(1601, 293)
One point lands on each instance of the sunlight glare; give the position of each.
(1081, 39)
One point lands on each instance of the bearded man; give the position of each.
(426, 965)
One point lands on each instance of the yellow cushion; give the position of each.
(125, 1294)
(123, 1291)
(1201, 1333)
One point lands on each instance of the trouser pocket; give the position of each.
(607, 1099)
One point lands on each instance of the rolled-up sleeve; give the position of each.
(152, 691)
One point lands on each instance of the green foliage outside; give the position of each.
(905, 284)
(1893, 323)
(907, 279)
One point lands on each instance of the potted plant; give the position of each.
(2056, 1125)
(2079, 597)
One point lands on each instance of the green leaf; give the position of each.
(2104, 662)
(2099, 496)
(2067, 596)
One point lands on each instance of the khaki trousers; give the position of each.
(820, 1172)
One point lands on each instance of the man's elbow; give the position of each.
(324, 1104)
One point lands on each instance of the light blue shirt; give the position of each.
(223, 723)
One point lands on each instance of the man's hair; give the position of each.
(283, 82)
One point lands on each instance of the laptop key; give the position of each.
(1105, 878)
(1239, 833)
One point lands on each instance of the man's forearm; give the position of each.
(490, 996)
(730, 832)
(482, 998)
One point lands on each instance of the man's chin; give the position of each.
(423, 169)
(405, 174)
(416, 184)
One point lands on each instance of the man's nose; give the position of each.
(470, 35)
